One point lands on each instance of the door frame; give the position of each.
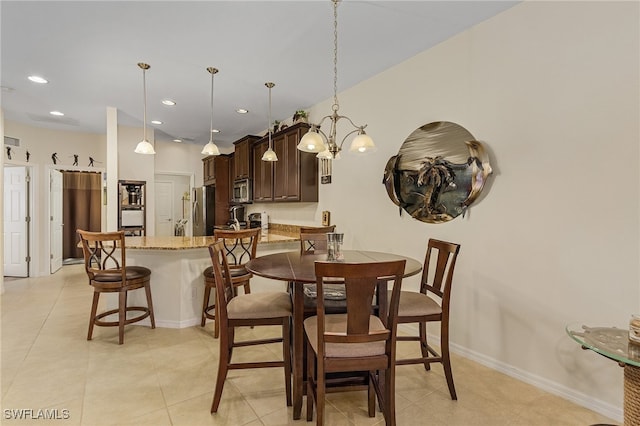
(160, 175)
(171, 201)
(29, 179)
(63, 168)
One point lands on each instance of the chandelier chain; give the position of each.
(336, 106)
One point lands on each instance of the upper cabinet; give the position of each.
(294, 177)
(262, 173)
(209, 170)
(242, 157)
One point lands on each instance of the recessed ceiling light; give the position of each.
(58, 113)
(168, 102)
(215, 131)
(156, 122)
(38, 79)
(177, 140)
(242, 111)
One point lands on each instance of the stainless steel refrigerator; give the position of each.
(203, 208)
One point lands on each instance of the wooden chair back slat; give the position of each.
(99, 249)
(314, 240)
(360, 281)
(439, 265)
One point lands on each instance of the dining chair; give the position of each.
(357, 343)
(422, 307)
(313, 240)
(251, 309)
(108, 273)
(239, 247)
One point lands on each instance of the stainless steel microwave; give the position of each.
(242, 191)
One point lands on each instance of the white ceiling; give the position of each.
(88, 51)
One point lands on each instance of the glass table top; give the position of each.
(611, 342)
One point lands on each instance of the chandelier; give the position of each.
(144, 147)
(270, 154)
(315, 140)
(210, 148)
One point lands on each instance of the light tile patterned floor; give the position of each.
(166, 376)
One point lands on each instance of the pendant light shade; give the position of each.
(362, 144)
(144, 147)
(269, 154)
(211, 148)
(312, 141)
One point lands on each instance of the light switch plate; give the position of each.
(326, 218)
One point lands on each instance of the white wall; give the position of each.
(552, 89)
(41, 144)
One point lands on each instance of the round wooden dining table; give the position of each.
(298, 269)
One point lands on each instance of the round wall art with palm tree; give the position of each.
(438, 172)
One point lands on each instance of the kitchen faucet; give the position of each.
(236, 224)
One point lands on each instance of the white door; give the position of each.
(55, 200)
(164, 208)
(16, 262)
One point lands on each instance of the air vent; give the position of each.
(11, 141)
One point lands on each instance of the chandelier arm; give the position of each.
(347, 135)
(317, 126)
(323, 134)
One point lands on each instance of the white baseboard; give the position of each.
(579, 398)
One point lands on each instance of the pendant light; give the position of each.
(144, 147)
(269, 154)
(210, 148)
(315, 140)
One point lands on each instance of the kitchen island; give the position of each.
(177, 264)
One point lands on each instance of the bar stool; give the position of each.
(108, 273)
(239, 248)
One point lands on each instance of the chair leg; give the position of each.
(423, 344)
(446, 361)
(286, 356)
(94, 312)
(216, 322)
(320, 393)
(371, 396)
(205, 304)
(310, 380)
(223, 368)
(152, 318)
(390, 396)
(122, 315)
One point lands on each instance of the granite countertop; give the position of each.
(184, 243)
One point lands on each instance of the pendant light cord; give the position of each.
(269, 125)
(144, 94)
(336, 106)
(212, 71)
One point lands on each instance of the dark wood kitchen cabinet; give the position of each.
(294, 177)
(262, 173)
(242, 157)
(217, 174)
(209, 170)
